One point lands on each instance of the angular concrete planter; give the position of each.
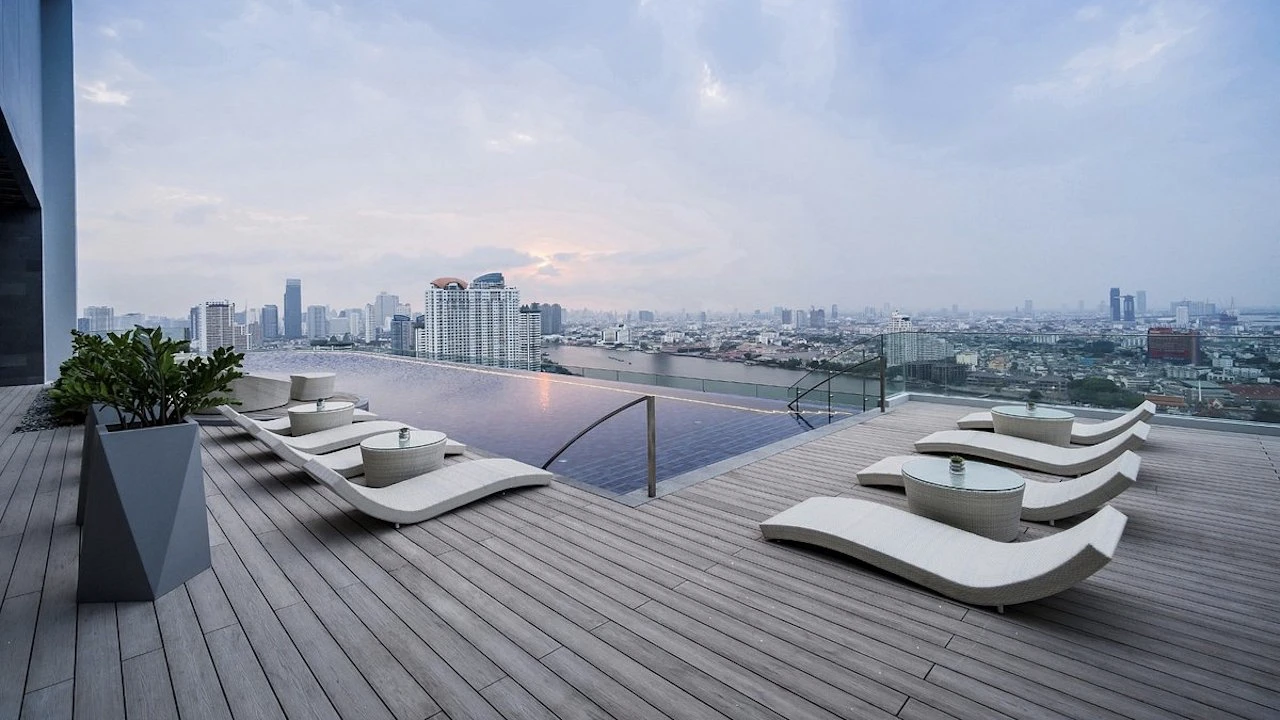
(97, 415)
(145, 530)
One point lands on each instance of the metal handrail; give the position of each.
(651, 425)
(836, 357)
(794, 404)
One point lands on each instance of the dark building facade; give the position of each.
(1128, 308)
(402, 335)
(1173, 345)
(37, 189)
(270, 322)
(1115, 304)
(292, 309)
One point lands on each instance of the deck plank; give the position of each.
(556, 602)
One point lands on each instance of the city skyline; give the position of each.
(919, 156)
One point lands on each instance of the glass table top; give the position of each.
(391, 440)
(977, 476)
(1040, 413)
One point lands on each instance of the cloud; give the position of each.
(1134, 53)
(745, 153)
(99, 93)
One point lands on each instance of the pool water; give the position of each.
(528, 415)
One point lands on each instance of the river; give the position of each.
(727, 377)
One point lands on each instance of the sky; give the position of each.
(668, 154)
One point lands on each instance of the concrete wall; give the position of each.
(20, 81)
(37, 233)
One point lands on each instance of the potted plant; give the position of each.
(957, 465)
(145, 530)
(1032, 398)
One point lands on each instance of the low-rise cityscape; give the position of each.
(1189, 357)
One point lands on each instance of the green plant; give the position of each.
(138, 374)
(1034, 395)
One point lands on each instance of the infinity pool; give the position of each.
(528, 415)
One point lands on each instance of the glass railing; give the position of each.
(848, 393)
(1182, 372)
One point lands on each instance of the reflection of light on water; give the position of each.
(544, 392)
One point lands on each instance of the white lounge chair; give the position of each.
(1041, 501)
(1033, 455)
(348, 462)
(425, 496)
(316, 443)
(281, 425)
(950, 561)
(1081, 433)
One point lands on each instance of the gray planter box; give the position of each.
(97, 415)
(145, 530)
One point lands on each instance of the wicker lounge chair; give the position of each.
(317, 443)
(1081, 433)
(425, 496)
(953, 562)
(1033, 455)
(347, 462)
(1041, 501)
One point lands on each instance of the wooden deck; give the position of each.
(552, 602)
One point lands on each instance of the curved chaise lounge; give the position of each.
(956, 563)
(1041, 501)
(1081, 433)
(425, 496)
(316, 443)
(1033, 455)
(347, 462)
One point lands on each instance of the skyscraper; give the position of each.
(1142, 303)
(529, 350)
(292, 309)
(1115, 304)
(552, 319)
(317, 322)
(402, 335)
(384, 308)
(270, 322)
(478, 323)
(1128, 308)
(215, 325)
(101, 318)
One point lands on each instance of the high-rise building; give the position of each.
(1128, 308)
(801, 317)
(385, 306)
(817, 318)
(1141, 303)
(37, 189)
(1028, 308)
(402, 335)
(478, 323)
(1115, 304)
(317, 322)
(370, 323)
(645, 316)
(355, 322)
(215, 325)
(292, 309)
(270, 322)
(835, 312)
(786, 316)
(1182, 316)
(1173, 345)
(102, 318)
(552, 319)
(529, 350)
